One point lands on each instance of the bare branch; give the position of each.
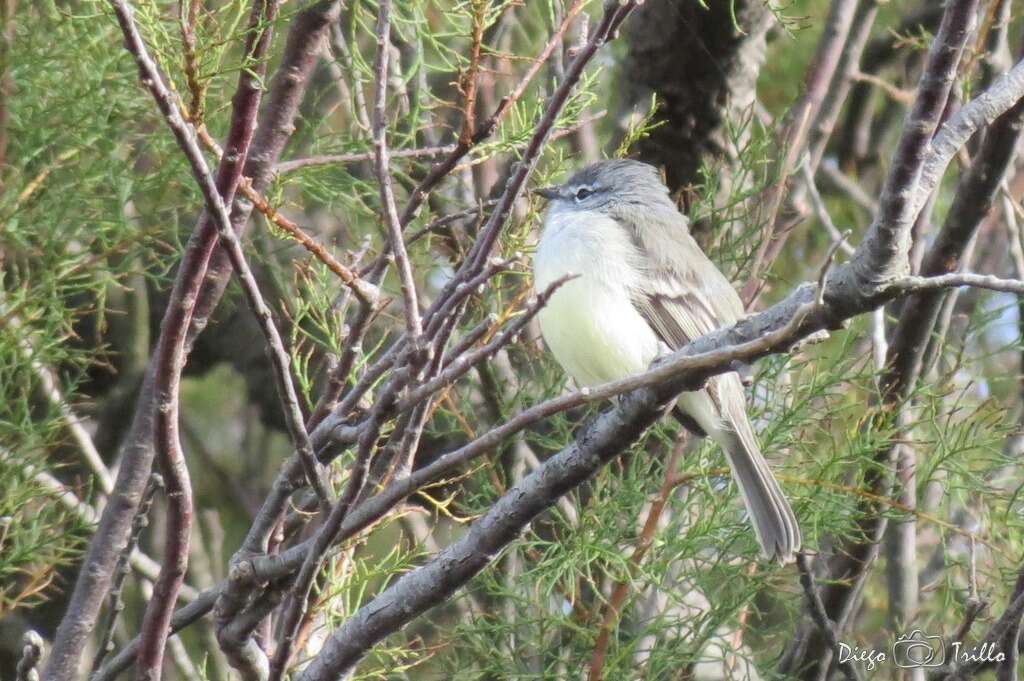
(115, 524)
(887, 244)
(820, 616)
(116, 604)
(285, 167)
(822, 75)
(392, 225)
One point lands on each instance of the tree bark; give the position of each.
(703, 65)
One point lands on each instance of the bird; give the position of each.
(643, 288)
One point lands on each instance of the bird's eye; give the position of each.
(583, 192)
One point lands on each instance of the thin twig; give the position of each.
(340, 44)
(820, 616)
(51, 389)
(392, 224)
(820, 74)
(821, 209)
(326, 537)
(285, 167)
(848, 186)
(364, 290)
(974, 606)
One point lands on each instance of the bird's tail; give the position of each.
(725, 420)
(770, 513)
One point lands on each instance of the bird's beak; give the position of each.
(547, 192)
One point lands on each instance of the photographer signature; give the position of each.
(918, 649)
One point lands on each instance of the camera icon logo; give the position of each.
(918, 649)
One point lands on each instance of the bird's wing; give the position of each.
(683, 295)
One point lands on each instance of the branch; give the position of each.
(820, 616)
(904, 359)
(905, 285)
(613, 608)
(285, 167)
(1006, 91)
(883, 253)
(392, 225)
(94, 577)
(31, 653)
(365, 291)
(116, 605)
(158, 612)
(819, 79)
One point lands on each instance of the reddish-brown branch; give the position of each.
(171, 358)
(115, 524)
(364, 290)
(614, 606)
(156, 622)
(468, 82)
(487, 127)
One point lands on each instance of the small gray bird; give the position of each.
(645, 288)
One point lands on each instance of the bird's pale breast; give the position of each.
(590, 324)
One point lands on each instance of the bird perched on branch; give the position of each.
(645, 288)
